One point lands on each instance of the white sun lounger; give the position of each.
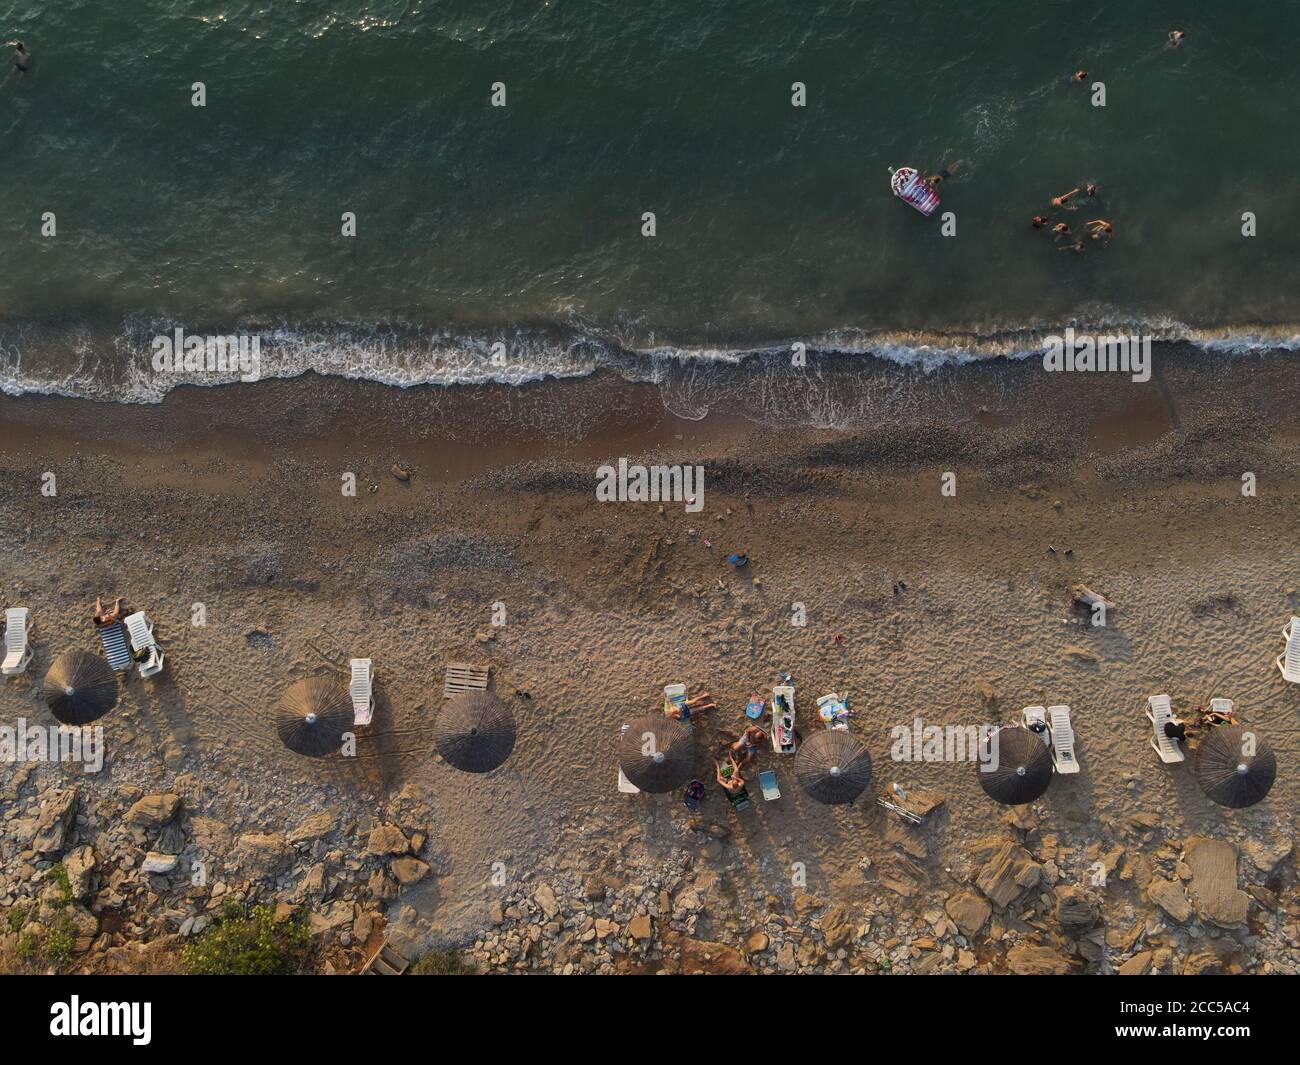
(1221, 706)
(625, 785)
(783, 741)
(1032, 714)
(1158, 712)
(1289, 660)
(363, 699)
(113, 637)
(18, 648)
(1058, 724)
(140, 629)
(674, 699)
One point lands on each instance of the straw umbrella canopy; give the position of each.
(1234, 767)
(833, 766)
(657, 753)
(475, 731)
(313, 716)
(1014, 767)
(80, 688)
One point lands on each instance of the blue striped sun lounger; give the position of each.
(113, 637)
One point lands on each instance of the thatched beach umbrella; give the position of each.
(80, 688)
(475, 731)
(1234, 767)
(1014, 766)
(313, 716)
(657, 753)
(833, 766)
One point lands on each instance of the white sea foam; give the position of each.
(116, 365)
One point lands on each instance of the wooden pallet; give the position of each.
(386, 962)
(463, 677)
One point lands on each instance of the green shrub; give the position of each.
(252, 944)
(60, 939)
(443, 963)
(26, 949)
(16, 918)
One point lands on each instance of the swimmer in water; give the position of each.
(22, 57)
(1176, 38)
(1076, 247)
(1101, 229)
(1090, 190)
(935, 180)
(1060, 230)
(1064, 200)
(1038, 221)
(1079, 77)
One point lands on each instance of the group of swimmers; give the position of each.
(1175, 39)
(1098, 228)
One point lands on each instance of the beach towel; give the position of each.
(113, 637)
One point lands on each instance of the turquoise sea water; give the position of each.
(523, 223)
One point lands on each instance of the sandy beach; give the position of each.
(953, 609)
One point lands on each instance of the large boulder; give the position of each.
(1008, 873)
(1027, 959)
(54, 822)
(1214, 882)
(154, 811)
(969, 913)
(388, 839)
(1077, 910)
(262, 856)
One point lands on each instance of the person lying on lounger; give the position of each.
(691, 707)
(745, 747)
(1176, 729)
(107, 617)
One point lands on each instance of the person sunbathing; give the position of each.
(729, 777)
(691, 707)
(107, 617)
(745, 747)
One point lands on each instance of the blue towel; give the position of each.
(113, 637)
